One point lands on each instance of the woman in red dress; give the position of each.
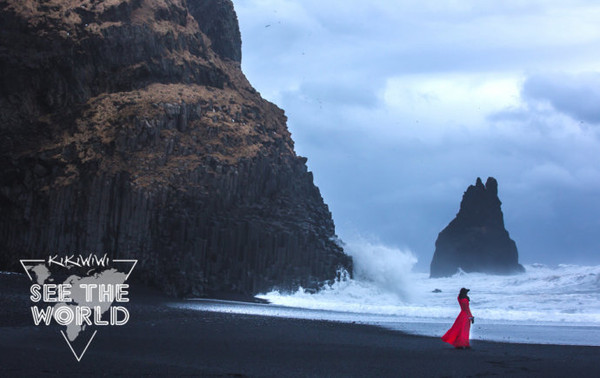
(458, 335)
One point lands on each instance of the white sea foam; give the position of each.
(385, 285)
(548, 305)
(9, 273)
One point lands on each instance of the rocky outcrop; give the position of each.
(128, 128)
(218, 21)
(476, 240)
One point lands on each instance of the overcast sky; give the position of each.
(400, 105)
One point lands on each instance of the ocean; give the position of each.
(545, 305)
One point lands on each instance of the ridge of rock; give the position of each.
(128, 127)
(476, 239)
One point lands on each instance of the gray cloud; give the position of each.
(577, 96)
(339, 93)
(396, 170)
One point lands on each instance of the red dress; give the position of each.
(458, 335)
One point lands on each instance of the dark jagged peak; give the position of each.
(476, 240)
(480, 205)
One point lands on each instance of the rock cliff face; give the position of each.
(128, 128)
(476, 240)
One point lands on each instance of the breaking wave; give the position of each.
(384, 284)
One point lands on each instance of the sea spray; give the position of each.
(384, 284)
(387, 267)
(382, 279)
(548, 305)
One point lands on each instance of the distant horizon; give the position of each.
(399, 107)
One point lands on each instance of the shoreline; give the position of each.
(161, 340)
(176, 342)
(483, 330)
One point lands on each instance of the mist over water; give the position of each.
(384, 284)
(382, 266)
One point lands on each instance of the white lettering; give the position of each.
(38, 315)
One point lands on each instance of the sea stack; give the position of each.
(476, 240)
(128, 128)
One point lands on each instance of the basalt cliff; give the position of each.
(127, 127)
(476, 240)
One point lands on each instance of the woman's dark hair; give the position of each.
(463, 294)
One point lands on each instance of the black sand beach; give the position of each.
(163, 341)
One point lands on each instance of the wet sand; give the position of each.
(164, 341)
